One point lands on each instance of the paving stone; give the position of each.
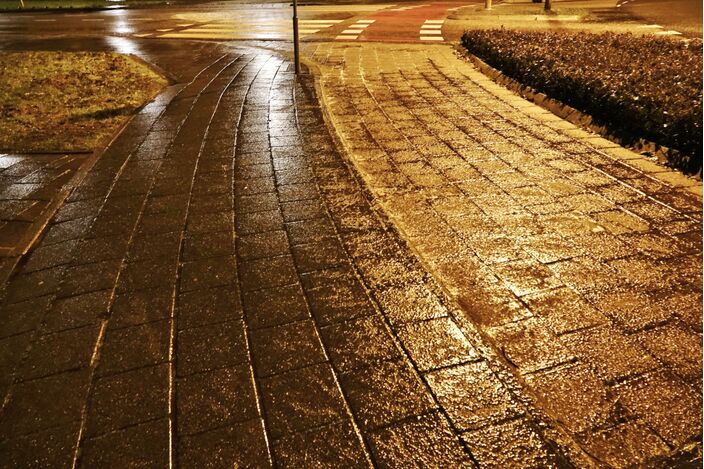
(134, 347)
(208, 306)
(23, 316)
(12, 351)
(472, 395)
(153, 273)
(301, 399)
(301, 210)
(385, 393)
(210, 347)
(509, 444)
(563, 310)
(597, 346)
(275, 306)
(624, 445)
(338, 300)
(633, 310)
(676, 347)
(125, 399)
(137, 446)
(52, 447)
(319, 256)
(358, 343)
(424, 441)
(141, 307)
(666, 405)
(267, 273)
(576, 395)
(310, 231)
(241, 444)
(208, 273)
(410, 303)
(257, 222)
(525, 277)
(162, 245)
(265, 244)
(77, 311)
(50, 256)
(206, 222)
(90, 277)
(335, 445)
(59, 352)
(214, 399)
(436, 343)
(32, 404)
(286, 347)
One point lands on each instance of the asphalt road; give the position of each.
(684, 16)
(233, 22)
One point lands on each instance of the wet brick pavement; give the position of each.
(30, 187)
(219, 291)
(578, 261)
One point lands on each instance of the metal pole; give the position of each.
(296, 54)
(548, 6)
(487, 4)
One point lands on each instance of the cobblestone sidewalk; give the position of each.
(579, 261)
(219, 292)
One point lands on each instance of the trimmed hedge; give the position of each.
(637, 86)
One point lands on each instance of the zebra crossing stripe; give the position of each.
(431, 30)
(242, 28)
(353, 31)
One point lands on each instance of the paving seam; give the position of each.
(115, 178)
(586, 141)
(500, 364)
(96, 356)
(432, 81)
(501, 371)
(387, 324)
(560, 440)
(353, 418)
(248, 335)
(256, 376)
(173, 327)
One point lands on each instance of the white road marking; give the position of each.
(407, 8)
(668, 33)
(320, 21)
(342, 37)
(431, 30)
(44, 21)
(92, 19)
(257, 28)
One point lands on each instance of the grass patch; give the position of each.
(69, 101)
(637, 86)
